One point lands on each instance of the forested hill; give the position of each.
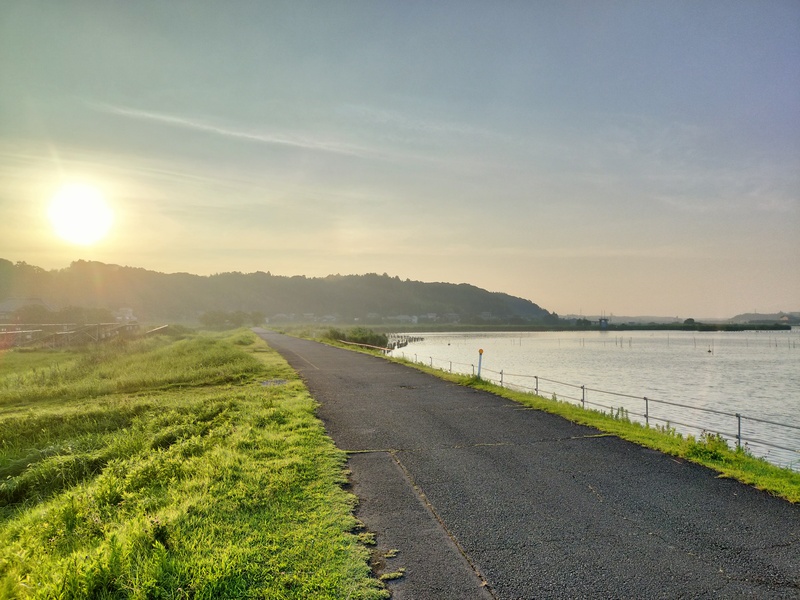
(157, 296)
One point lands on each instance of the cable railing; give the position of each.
(745, 431)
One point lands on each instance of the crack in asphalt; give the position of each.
(421, 495)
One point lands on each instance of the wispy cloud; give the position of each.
(294, 141)
(29, 164)
(392, 119)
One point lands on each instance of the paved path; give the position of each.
(482, 498)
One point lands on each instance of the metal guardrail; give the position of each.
(381, 348)
(578, 394)
(54, 335)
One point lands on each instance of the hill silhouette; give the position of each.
(183, 297)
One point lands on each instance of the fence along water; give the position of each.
(777, 442)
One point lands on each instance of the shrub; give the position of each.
(362, 335)
(357, 335)
(710, 446)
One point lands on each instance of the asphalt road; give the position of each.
(482, 498)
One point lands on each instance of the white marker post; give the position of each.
(480, 358)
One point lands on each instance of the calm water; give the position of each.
(756, 374)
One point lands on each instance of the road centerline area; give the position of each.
(535, 505)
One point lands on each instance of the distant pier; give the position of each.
(401, 341)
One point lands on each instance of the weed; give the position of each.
(668, 430)
(366, 538)
(710, 447)
(621, 414)
(392, 576)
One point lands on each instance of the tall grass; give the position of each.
(357, 335)
(167, 470)
(147, 364)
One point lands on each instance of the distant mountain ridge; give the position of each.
(184, 297)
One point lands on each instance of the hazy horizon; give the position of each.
(612, 316)
(634, 159)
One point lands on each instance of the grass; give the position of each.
(709, 450)
(166, 469)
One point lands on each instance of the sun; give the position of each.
(80, 214)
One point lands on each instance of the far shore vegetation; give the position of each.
(345, 331)
(179, 467)
(710, 450)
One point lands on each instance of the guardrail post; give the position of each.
(739, 431)
(646, 412)
(451, 366)
(501, 377)
(583, 397)
(431, 362)
(473, 370)
(536, 388)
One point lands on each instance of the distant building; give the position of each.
(125, 315)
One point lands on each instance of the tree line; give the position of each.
(183, 297)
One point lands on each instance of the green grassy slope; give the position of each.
(171, 469)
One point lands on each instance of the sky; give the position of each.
(617, 157)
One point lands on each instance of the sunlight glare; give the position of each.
(80, 214)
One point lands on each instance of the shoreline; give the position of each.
(464, 328)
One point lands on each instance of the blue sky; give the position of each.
(625, 157)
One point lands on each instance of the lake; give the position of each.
(711, 375)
